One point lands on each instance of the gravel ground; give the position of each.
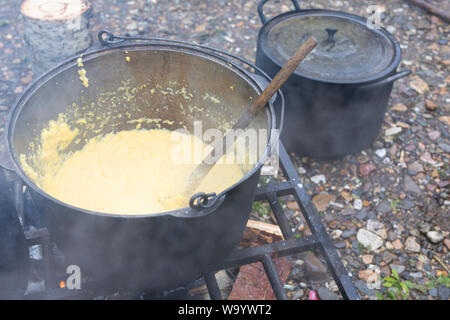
(386, 207)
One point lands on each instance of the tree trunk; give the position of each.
(55, 30)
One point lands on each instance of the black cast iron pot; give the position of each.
(14, 256)
(337, 97)
(160, 250)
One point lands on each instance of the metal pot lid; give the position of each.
(348, 51)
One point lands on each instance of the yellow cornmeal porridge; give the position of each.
(130, 172)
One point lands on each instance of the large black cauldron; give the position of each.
(337, 97)
(159, 250)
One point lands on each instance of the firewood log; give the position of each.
(55, 30)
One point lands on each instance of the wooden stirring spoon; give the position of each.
(202, 170)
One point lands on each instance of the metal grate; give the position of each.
(319, 240)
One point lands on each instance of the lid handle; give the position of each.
(261, 12)
(331, 32)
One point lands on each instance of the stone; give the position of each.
(447, 243)
(365, 275)
(367, 258)
(346, 195)
(443, 292)
(435, 236)
(416, 275)
(416, 167)
(424, 227)
(392, 235)
(362, 214)
(410, 186)
(315, 268)
(380, 153)
(406, 204)
(397, 267)
(340, 245)
(414, 232)
(430, 105)
(357, 204)
(392, 131)
(426, 157)
(400, 107)
(384, 207)
(348, 212)
(369, 239)
(412, 245)
(355, 264)
(382, 233)
(336, 234)
(374, 281)
(326, 294)
(347, 234)
(434, 135)
(373, 225)
(390, 29)
(445, 147)
(366, 168)
(423, 259)
(318, 179)
(397, 244)
(388, 257)
(362, 287)
(433, 292)
(419, 85)
(298, 294)
(322, 201)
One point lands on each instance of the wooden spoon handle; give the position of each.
(283, 74)
(249, 115)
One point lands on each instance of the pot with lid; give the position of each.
(336, 99)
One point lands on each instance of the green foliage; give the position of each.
(5, 22)
(397, 289)
(394, 203)
(260, 209)
(263, 181)
(443, 172)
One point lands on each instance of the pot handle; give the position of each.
(387, 80)
(261, 12)
(202, 204)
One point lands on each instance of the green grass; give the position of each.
(399, 289)
(443, 172)
(261, 209)
(394, 203)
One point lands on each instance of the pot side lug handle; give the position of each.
(387, 80)
(261, 11)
